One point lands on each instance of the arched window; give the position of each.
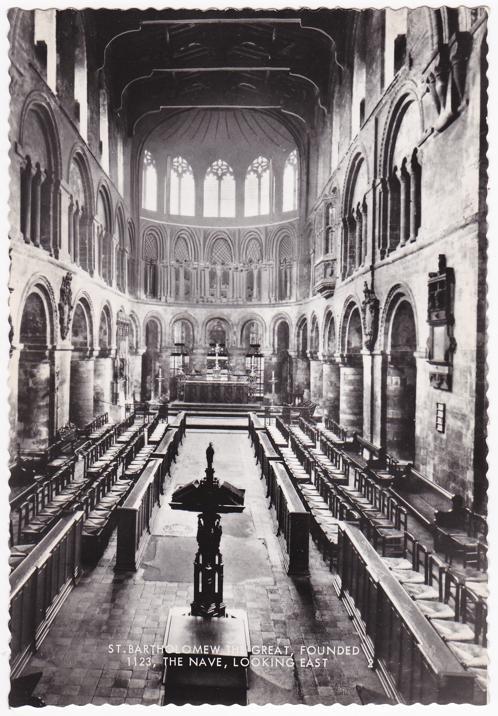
(120, 163)
(149, 182)
(106, 266)
(355, 220)
(181, 188)
(104, 131)
(45, 22)
(122, 258)
(219, 190)
(394, 42)
(80, 78)
(290, 182)
(79, 230)
(257, 188)
(151, 258)
(400, 189)
(284, 268)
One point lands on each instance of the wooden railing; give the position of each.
(414, 663)
(135, 514)
(39, 585)
(292, 518)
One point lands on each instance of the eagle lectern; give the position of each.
(210, 498)
(221, 637)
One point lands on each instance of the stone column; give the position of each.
(404, 217)
(351, 395)
(62, 362)
(331, 389)
(27, 183)
(82, 389)
(316, 380)
(301, 374)
(36, 206)
(34, 429)
(102, 390)
(135, 368)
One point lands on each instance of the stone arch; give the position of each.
(244, 330)
(302, 337)
(284, 233)
(400, 377)
(38, 105)
(350, 304)
(190, 249)
(135, 336)
(105, 331)
(161, 333)
(279, 318)
(78, 156)
(220, 249)
(224, 324)
(104, 215)
(351, 381)
(251, 249)
(329, 335)
(314, 343)
(188, 330)
(41, 285)
(40, 175)
(35, 417)
(406, 94)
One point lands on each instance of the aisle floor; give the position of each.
(79, 658)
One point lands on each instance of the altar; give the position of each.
(215, 390)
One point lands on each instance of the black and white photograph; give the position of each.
(245, 337)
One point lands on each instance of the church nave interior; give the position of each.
(264, 229)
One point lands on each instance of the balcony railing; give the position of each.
(325, 277)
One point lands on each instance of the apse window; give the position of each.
(181, 188)
(290, 182)
(219, 190)
(257, 188)
(149, 182)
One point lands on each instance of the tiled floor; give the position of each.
(79, 658)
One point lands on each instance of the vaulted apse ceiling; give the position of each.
(232, 134)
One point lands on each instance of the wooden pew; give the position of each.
(412, 658)
(39, 586)
(265, 453)
(135, 515)
(293, 522)
(255, 425)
